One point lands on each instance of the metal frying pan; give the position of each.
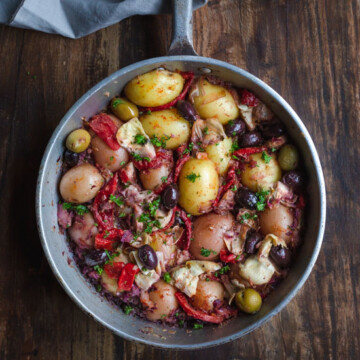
(181, 56)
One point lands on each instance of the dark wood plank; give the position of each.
(306, 50)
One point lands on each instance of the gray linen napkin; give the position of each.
(77, 18)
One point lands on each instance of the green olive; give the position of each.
(124, 109)
(78, 140)
(288, 157)
(248, 300)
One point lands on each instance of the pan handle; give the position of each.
(182, 38)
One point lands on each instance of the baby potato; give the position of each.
(206, 293)
(107, 157)
(164, 299)
(124, 109)
(198, 186)
(220, 154)
(215, 102)
(154, 88)
(152, 178)
(263, 175)
(277, 221)
(167, 123)
(81, 184)
(208, 235)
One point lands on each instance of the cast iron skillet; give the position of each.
(183, 57)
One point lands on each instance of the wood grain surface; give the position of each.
(307, 50)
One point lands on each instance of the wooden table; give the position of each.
(307, 50)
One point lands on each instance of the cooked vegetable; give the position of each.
(78, 140)
(281, 256)
(214, 101)
(154, 88)
(252, 239)
(248, 300)
(170, 196)
(220, 154)
(196, 196)
(250, 139)
(83, 231)
(288, 157)
(106, 157)
(148, 256)
(206, 293)
(152, 178)
(186, 110)
(295, 180)
(277, 221)
(81, 184)
(272, 130)
(235, 128)
(164, 300)
(246, 198)
(208, 235)
(124, 109)
(167, 124)
(261, 175)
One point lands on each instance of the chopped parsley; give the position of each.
(189, 149)
(266, 157)
(111, 158)
(122, 163)
(117, 102)
(234, 157)
(223, 270)
(164, 179)
(106, 234)
(261, 203)
(98, 288)
(198, 326)
(234, 147)
(207, 252)
(128, 309)
(140, 139)
(148, 112)
(116, 200)
(98, 269)
(192, 177)
(137, 157)
(79, 209)
(122, 215)
(234, 188)
(154, 205)
(247, 216)
(160, 142)
(181, 323)
(273, 149)
(167, 277)
(206, 130)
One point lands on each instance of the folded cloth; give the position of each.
(77, 18)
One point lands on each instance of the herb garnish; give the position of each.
(198, 326)
(117, 102)
(167, 277)
(116, 200)
(266, 157)
(223, 270)
(128, 309)
(247, 216)
(164, 179)
(160, 142)
(137, 157)
(140, 139)
(234, 147)
(207, 252)
(79, 209)
(261, 203)
(206, 130)
(98, 269)
(189, 149)
(192, 177)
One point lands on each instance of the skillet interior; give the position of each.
(85, 296)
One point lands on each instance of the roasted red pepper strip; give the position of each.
(244, 152)
(105, 219)
(197, 314)
(227, 257)
(189, 77)
(169, 180)
(230, 181)
(113, 270)
(127, 277)
(106, 239)
(248, 98)
(184, 242)
(161, 156)
(104, 127)
(179, 164)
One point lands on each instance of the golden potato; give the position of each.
(220, 154)
(263, 175)
(215, 102)
(154, 88)
(206, 293)
(153, 178)
(198, 186)
(81, 183)
(167, 123)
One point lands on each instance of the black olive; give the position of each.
(95, 257)
(186, 110)
(148, 256)
(246, 198)
(281, 256)
(235, 128)
(294, 179)
(170, 196)
(252, 238)
(71, 158)
(252, 138)
(272, 130)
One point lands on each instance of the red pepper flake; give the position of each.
(189, 78)
(113, 270)
(197, 314)
(248, 98)
(127, 277)
(107, 239)
(104, 127)
(184, 242)
(230, 181)
(227, 257)
(105, 218)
